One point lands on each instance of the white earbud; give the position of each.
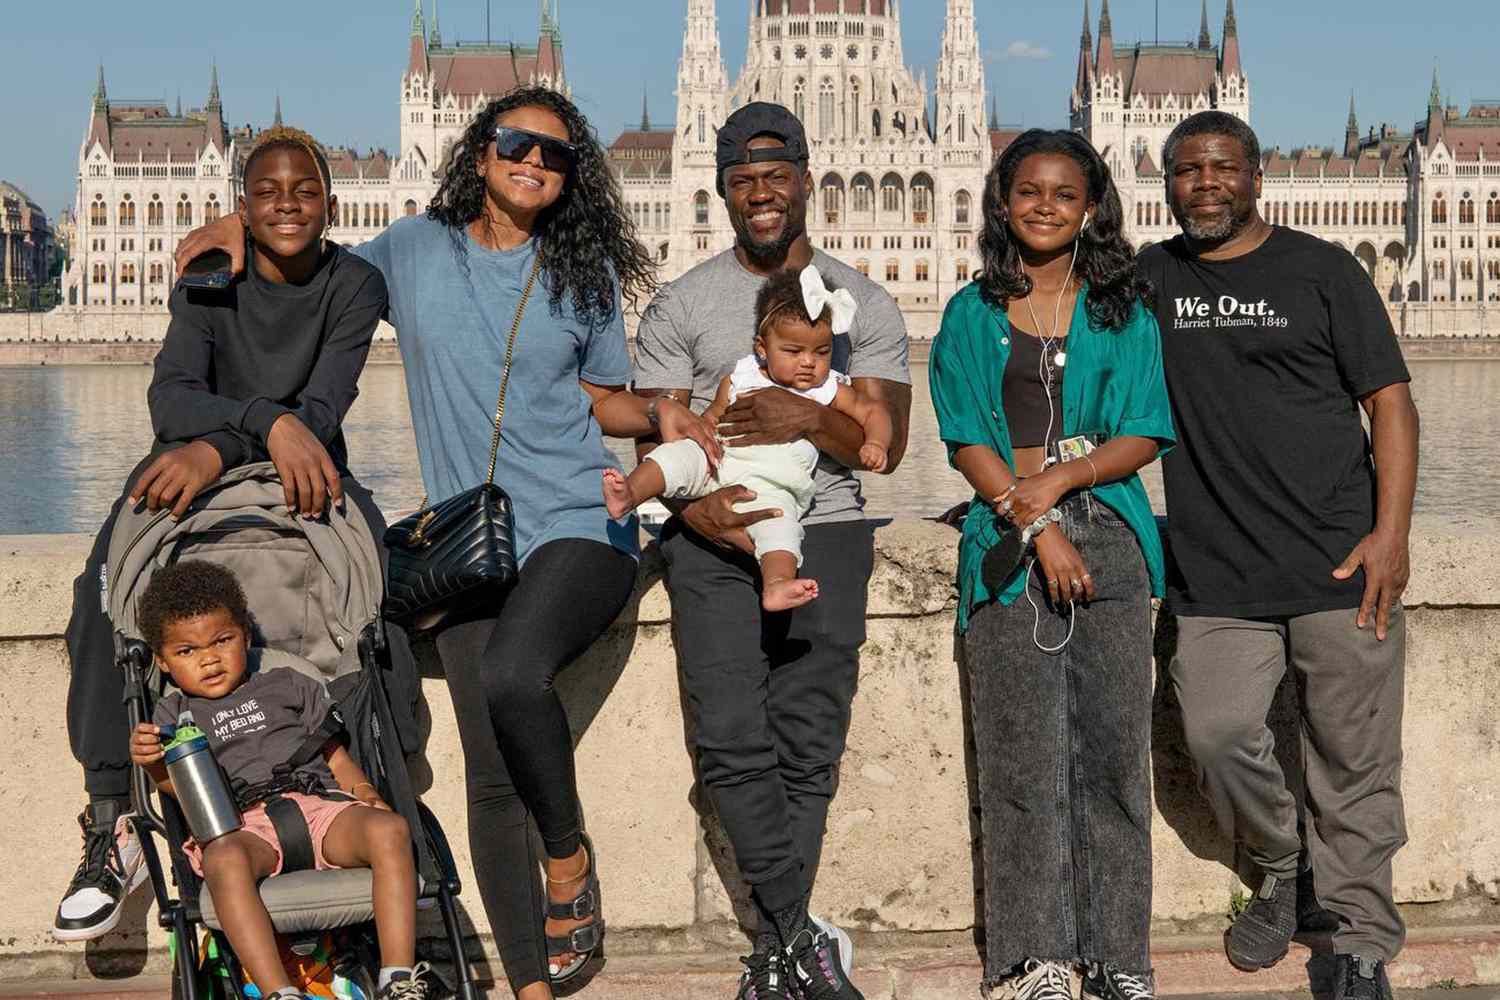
(1085, 225)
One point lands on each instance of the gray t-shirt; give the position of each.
(260, 724)
(698, 326)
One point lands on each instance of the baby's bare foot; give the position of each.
(782, 595)
(618, 499)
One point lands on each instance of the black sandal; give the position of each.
(581, 941)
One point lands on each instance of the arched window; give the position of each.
(127, 273)
(825, 109)
(184, 211)
(832, 193)
(100, 274)
(799, 100)
(702, 126)
(211, 208)
(863, 192)
(961, 270)
(410, 208)
(863, 267)
(892, 194)
(855, 112)
(98, 214)
(385, 215)
(921, 271)
(1492, 208)
(875, 123)
(921, 200)
(700, 208)
(962, 205)
(127, 212)
(155, 211)
(963, 125)
(1466, 210)
(1439, 209)
(156, 272)
(367, 215)
(893, 270)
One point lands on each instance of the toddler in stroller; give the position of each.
(279, 739)
(320, 847)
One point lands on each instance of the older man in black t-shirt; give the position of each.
(1288, 530)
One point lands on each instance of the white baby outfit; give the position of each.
(781, 475)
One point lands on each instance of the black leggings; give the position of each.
(518, 750)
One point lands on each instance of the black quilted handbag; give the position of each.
(460, 553)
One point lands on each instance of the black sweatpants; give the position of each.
(518, 750)
(97, 727)
(770, 694)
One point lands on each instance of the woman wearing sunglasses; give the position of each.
(527, 203)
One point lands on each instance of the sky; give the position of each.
(337, 64)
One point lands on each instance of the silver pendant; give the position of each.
(1060, 358)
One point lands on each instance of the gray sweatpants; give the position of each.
(1225, 674)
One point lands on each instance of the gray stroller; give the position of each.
(314, 589)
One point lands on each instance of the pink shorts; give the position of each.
(318, 812)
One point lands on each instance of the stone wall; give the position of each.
(899, 860)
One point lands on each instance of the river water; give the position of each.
(69, 436)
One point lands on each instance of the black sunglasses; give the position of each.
(515, 144)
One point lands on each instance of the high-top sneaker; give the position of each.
(818, 968)
(111, 868)
(1263, 933)
(1038, 980)
(1358, 978)
(1103, 982)
(765, 977)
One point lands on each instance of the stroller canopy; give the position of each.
(312, 586)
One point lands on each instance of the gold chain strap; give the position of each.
(510, 348)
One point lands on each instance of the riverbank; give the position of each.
(385, 352)
(903, 835)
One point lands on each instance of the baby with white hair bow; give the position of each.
(796, 319)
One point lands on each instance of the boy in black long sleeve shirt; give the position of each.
(264, 369)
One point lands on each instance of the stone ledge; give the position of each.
(915, 562)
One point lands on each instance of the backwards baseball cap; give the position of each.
(752, 121)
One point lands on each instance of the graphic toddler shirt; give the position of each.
(260, 724)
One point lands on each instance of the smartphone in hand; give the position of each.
(209, 270)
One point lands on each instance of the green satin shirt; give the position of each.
(1112, 386)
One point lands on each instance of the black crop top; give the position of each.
(1023, 396)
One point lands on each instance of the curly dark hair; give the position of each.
(586, 240)
(1105, 259)
(782, 294)
(188, 589)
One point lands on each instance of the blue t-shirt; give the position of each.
(552, 452)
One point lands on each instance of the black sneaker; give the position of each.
(111, 868)
(407, 986)
(1263, 933)
(818, 968)
(1103, 982)
(765, 977)
(1358, 978)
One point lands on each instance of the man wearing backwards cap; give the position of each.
(771, 698)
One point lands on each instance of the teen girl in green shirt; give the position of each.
(1047, 381)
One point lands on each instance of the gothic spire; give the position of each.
(1230, 28)
(435, 38)
(1105, 27)
(645, 111)
(1434, 99)
(213, 90)
(1104, 63)
(994, 112)
(1085, 55)
(1229, 55)
(1205, 40)
(277, 119)
(179, 102)
(416, 20)
(1353, 122)
(101, 96)
(1351, 131)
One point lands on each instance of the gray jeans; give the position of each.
(1063, 755)
(1225, 674)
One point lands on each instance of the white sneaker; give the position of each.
(110, 870)
(1039, 981)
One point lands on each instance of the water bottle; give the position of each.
(202, 790)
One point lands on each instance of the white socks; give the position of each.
(389, 972)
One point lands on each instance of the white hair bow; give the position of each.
(816, 297)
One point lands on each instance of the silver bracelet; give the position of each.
(1053, 516)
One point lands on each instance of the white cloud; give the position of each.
(1025, 50)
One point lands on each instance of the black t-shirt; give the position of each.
(235, 360)
(1271, 484)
